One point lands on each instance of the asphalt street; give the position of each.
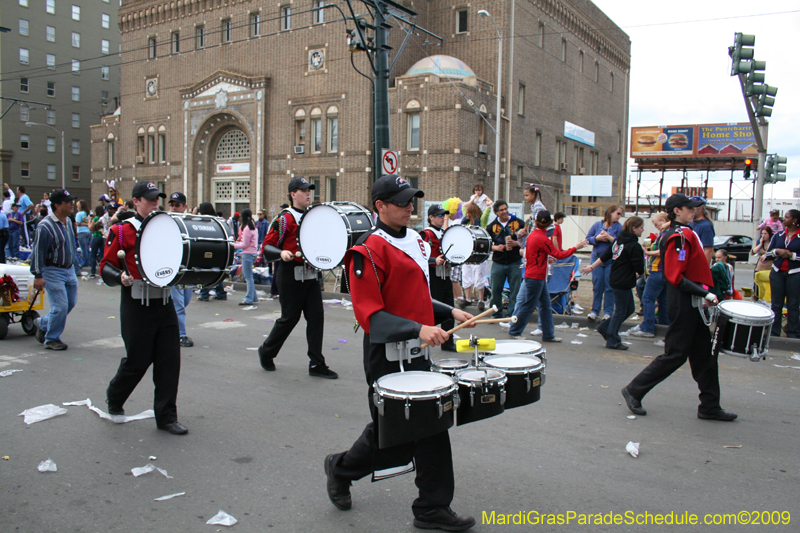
(257, 439)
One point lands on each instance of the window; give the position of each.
(51, 172)
(151, 148)
(76, 12)
(299, 128)
(316, 135)
(76, 94)
(521, 99)
(611, 78)
(200, 36)
(619, 141)
(520, 175)
(580, 61)
(105, 21)
(110, 146)
(23, 27)
(461, 21)
(51, 144)
(24, 56)
(76, 147)
(104, 96)
(255, 24)
(50, 33)
(104, 73)
(482, 129)
(51, 61)
(608, 166)
(176, 42)
(24, 113)
(76, 66)
(105, 47)
(50, 6)
(140, 145)
(286, 18)
(23, 85)
(151, 47)
(317, 189)
(541, 34)
(563, 50)
(330, 189)
(413, 131)
(76, 173)
(226, 31)
(319, 11)
(51, 88)
(162, 147)
(333, 134)
(51, 117)
(24, 141)
(561, 154)
(25, 170)
(76, 40)
(537, 153)
(596, 71)
(414, 182)
(76, 120)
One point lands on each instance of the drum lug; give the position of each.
(543, 377)
(527, 382)
(408, 410)
(471, 397)
(456, 400)
(502, 395)
(755, 356)
(378, 401)
(439, 406)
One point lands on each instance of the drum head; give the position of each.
(744, 310)
(160, 249)
(476, 375)
(457, 244)
(322, 237)
(415, 382)
(451, 364)
(510, 363)
(514, 347)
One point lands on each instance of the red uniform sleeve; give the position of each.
(674, 269)
(112, 247)
(274, 233)
(364, 290)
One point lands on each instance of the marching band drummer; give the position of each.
(298, 286)
(147, 318)
(387, 276)
(438, 268)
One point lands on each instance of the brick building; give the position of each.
(226, 100)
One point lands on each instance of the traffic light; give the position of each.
(766, 100)
(742, 53)
(747, 168)
(751, 88)
(780, 167)
(769, 170)
(774, 169)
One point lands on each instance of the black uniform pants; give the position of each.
(442, 290)
(433, 456)
(297, 297)
(151, 338)
(688, 337)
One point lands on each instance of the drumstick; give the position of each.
(493, 309)
(512, 319)
(121, 254)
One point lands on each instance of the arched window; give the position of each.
(333, 129)
(316, 130)
(162, 144)
(233, 145)
(413, 125)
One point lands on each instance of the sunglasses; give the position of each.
(439, 216)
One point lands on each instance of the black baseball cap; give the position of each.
(59, 196)
(543, 217)
(147, 190)
(301, 184)
(395, 189)
(681, 200)
(178, 197)
(437, 210)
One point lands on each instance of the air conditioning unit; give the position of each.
(300, 149)
(583, 171)
(139, 159)
(482, 148)
(564, 167)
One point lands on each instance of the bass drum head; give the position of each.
(159, 249)
(322, 237)
(457, 244)
(746, 311)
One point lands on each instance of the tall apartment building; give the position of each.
(227, 100)
(59, 66)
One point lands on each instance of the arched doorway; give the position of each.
(230, 178)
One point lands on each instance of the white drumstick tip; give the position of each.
(297, 254)
(121, 254)
(514, 319)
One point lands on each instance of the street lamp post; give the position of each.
(484, 13)
(61, 133)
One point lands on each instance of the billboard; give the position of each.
(700, 141)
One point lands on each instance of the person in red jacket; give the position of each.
(688, 337)
(537, 250)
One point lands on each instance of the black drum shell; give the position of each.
(517, 393)
(472, 411)
(423, 420)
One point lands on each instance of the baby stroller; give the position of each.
(563, 282)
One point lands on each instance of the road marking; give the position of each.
(7, 360)
(223, 325)
(111, 342)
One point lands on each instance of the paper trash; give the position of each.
(577, 342)
(169, 496)
(6, 373)
(149, 467)
(563, 326)
(118, 419)
(47, 466)
(223, 519)
(43, 412)
(575, 325)
(633, 449)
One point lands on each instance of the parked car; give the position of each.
(736, 245)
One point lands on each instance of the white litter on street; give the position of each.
(118, 419)
(42, 412)
(632, 448)
(563, 326)
(47, 466)
(169, 496)
(222, 518)
(6, 373)
(249, 308)
(149, 467)
(577, 342)
(582, 335)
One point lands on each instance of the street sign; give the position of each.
(389, 162)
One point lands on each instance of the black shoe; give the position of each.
(322, 371)
(176, 428)
(39, 331)
(186, 342)
(55, 345)
(633, 404)
(267, 362)
(114, 410)
(338, 491)
(617, 347)
(721, 415)
(202, 299)
(218, 298)
(443, 518)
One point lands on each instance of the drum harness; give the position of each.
(140, 289)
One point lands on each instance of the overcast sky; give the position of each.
(680, 70)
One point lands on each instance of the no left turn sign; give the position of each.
(389, 162)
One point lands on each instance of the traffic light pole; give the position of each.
(760, 131)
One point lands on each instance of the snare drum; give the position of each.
(516, 347)
(449, 366)
(413, 405)
(328, 230)
(181, 249)
(481, 392)
(466, 244)
(524, 377)
(743, 329)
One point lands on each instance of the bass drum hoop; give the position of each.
(737, 318)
